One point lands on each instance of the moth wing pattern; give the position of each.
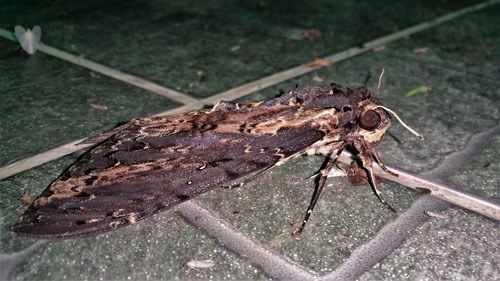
(154, 163)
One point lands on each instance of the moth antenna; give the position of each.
(379, 83)
(377, 191)
(400, 121)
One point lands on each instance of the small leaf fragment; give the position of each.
(436, 215)
(318, 79)
(421, 89)
(318, 63)
(98, 106)
(309, 34)
(379, 48)
(79, 57)
(26, 199)
(197, 265)
(420, 50)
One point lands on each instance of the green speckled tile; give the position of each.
(171, 41)
(47, 102)
(462, 247)
(482, 174)
(345, 218)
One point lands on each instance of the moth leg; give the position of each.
(377, 191)
(337, 172)
(319, 187)
(224, 106)
(366, 159)
(268, 169)
(379, 161)
(259, 174)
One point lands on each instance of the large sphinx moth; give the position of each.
(151, 164)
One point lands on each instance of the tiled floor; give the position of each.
(204, 49)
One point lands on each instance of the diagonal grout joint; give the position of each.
(485, 206)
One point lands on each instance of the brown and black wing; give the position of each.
(155, 163)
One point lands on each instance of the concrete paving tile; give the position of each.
(31, 182)
(462, 103)
(345, 218)
(156, 249)
(462, 247)
(480, 175)
(349, 218)
(47, 102)
(447, 116)
(449, 45)
(169, 42)
(153, 249)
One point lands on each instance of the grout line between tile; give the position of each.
(9, 262)
(243, 90)
(456, 160)
(108, 71)
(276, 78)
(395, 233)
(275, 265)
(41, 158)
(437, 188)
(388, 239)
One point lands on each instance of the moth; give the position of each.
(29, 39)
(151, 164)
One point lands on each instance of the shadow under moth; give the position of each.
(151, 164)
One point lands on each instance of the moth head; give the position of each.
(373, 123)
(375, 120)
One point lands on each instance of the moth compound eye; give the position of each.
(370, 120)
